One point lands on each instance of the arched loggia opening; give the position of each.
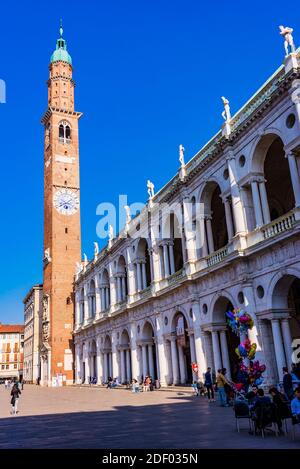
(284, 323)
(149, 360)
(121, 279)
(272, 190)
(224, 341)
(181, 350)
(142, 265)
(92, 299)
(278, 180)
(214, 227)
(93, 361)
(125, 357)
(105, 290)
(107, 359)
(171, 249)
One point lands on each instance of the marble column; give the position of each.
(78, 376)
(128, 367)
(111, 365)
(106, 297)
(264, 202)
(174, 355)
(99, 367)
(87, 369)
(225, 355)
(216, 351)
(210, 238)
(139, 276)
(163, 365)
(203, 237)
(144, 278)
(182, 365)
(114, 358)
(98, 297)
(294, 177)
(193, 354)
(228, 216)
(237, 208)
(278, 346)
(257, 204)
(150, 359)
(134, 356)
(123, 280)
(123, 371)
(171, 257)
(199, 349)
(287, 340)
(105, 367)
(166, 260)
(145, 365)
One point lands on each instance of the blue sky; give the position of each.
(149, 76)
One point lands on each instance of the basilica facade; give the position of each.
(154, 303)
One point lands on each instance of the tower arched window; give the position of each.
(64, 132)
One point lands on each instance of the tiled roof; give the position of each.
(8, 328)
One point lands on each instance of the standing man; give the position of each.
(208, 383)
(221, 381)
(287, 383)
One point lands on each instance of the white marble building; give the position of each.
(32, 333)
(153, 305)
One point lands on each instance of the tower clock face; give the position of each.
(66, 201)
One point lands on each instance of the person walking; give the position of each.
(221, 381)
(287, 383)
(6, 384)
(208, 383)
(15, 393)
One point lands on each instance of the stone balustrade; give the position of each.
(279, 225)
(217, 256)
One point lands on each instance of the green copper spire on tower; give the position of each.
(61, 53)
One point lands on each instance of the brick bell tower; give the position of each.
(62, 245)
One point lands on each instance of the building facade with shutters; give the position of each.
(11, 351)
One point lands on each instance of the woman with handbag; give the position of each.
(15, 393)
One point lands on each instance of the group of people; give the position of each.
(213, 383)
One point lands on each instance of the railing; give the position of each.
(65, 140)
(145, 293)
(175, 277)
(279, 225)
(217, 256)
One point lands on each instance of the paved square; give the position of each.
(102, 418)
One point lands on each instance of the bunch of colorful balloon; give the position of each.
(246, 350)
(254, 371)
(239, 321)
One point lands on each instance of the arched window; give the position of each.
(64, 132)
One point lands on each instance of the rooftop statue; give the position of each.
(128, 214)
(110, 233)
(288, 39)
(181, 155)
(96, 248)
(226, 113)
(150, 187)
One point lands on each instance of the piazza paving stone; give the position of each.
(87, 417)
